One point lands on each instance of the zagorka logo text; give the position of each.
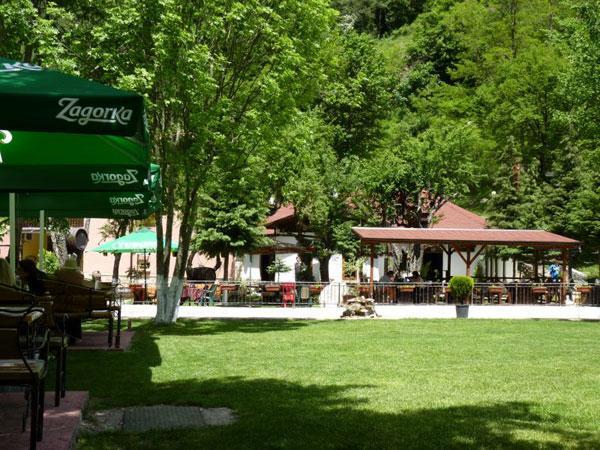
(18, 67)
(129, 177)
(119, 212)
(131, 200)
(72, 112)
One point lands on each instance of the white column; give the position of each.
(42, 239)
(12, 222)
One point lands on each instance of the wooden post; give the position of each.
(514, 271)
(565, 276)
(468, 262)
(535, 266)
(372, 271)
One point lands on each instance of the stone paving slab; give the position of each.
(158, 417)
(162, 417)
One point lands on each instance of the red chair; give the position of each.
(288, 293)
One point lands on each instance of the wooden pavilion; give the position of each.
(467, 243)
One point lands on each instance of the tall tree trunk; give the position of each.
(116, 264)
(324, 268)
(123, 225)
(226, 266)
(169, 291)
(59, 245)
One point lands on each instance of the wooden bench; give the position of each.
(86, 303)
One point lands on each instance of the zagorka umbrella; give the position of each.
(101, 204)
(45, 113)
(140, 241)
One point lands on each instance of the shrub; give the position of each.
(51, 263)
(461, 287)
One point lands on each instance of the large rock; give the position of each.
(359, 307)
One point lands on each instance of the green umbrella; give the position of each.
(31, 161)
(46, 112)
(125, 205)
(37, 99)
(64, 133)
(140, 241)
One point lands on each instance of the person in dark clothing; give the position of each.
(31, 277)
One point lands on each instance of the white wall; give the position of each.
(336, 267)
(289, 259)
(250, 267)
(378, 268)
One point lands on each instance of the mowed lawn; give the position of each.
(357, 384)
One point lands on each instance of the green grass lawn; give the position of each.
(358, 384)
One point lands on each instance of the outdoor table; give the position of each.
(406, 292)
(270, 292)
(495, 291)
(192, 292)
(584, 292)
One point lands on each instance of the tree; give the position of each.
(378, 17)
(230, 222)
(407, 184)
(114, 229)
(221, 78)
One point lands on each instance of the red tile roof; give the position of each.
(450, 215)
(521, 238)
(285, 212)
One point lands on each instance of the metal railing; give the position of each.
(265, 293)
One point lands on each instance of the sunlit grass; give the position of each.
(358, 384)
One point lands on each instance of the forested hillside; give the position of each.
(514, 85)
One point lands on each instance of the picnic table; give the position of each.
(193, 292)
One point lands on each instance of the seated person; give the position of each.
(5, 277)
(70, 273)
(31, 278)
(416, 277)
(388, 277)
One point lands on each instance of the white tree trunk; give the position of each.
(59, 244)
(168, 300)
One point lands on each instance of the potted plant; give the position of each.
(461, 288)
(315, 289)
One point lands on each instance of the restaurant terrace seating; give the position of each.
(24, 359)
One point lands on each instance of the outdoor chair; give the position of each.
(81, 302)
(288, 294)
(24, 360)
(58, 341)
(207, 298)
(305, 295)
(58, 344)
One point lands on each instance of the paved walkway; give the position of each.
(60, 424)
(386, 312)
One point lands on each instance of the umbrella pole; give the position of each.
(145, 279)
(12, 223)
(42, 239)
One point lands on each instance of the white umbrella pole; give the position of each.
(145, 280)
(42, 239)
(12, 222)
